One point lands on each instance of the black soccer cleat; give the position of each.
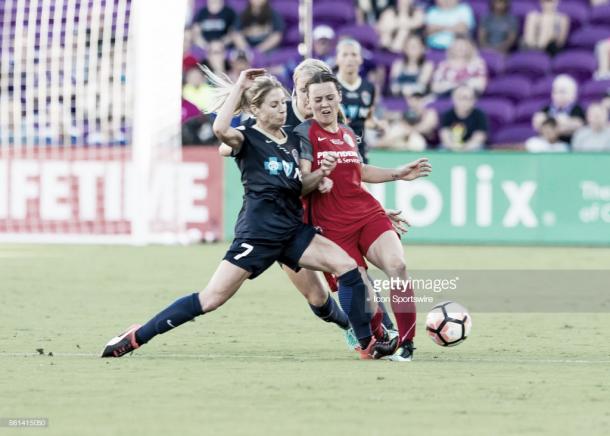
(383, 349)
(122, 344)
(404, 353)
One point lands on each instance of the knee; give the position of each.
(210, 301)
(342, 265)
(396, 267)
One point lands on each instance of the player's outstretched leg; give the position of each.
(324, 255)
(224, 283)
(386, 253)
(320, 301)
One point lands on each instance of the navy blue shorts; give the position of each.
(256, 255)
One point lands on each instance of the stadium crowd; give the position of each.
(449, 74)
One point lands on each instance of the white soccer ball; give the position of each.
(448, 324)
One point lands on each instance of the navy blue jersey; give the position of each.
(272, 183)
(357, 102)
(293, 116)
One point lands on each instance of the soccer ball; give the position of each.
(448, 324)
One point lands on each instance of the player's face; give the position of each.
(271, 114)
(301, 93)
(324, 100)
(349, 59)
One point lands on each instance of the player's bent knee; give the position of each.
(342, 265)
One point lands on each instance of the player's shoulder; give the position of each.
(303, 128)
(367, 85)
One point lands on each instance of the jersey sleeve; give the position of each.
(305, 146)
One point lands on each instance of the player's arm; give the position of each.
(411, 171)
(312, 179)
(224, 150)
(222, 124)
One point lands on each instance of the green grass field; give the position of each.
(264, 365)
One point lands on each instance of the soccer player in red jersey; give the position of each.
(349, 215)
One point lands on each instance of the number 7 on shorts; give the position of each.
(248, 250)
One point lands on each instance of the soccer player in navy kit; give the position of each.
(270, 225)
(358, 94)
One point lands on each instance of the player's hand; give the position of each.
(325, 185)
(328, 164)
(401, 225)
(246, 77)
(413, 170)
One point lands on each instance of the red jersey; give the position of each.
(348, 206)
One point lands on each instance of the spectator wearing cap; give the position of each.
(499, 29)
(464, 127)
(463, 66)
(259, 27)
(564, 108)
(446, 20)
(546, 29)
(595, 136)
(548, 140)
(239, 60)
(602, 52)
(412, 72)
(196, 88)
(214, 22)
(415, 130)
(398, 22)
(324, 43)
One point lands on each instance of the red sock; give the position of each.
(377, 324)
(404, 311)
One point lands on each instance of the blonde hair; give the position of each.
(221, 86)
(311, 67)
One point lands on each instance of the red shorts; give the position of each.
(357, 243)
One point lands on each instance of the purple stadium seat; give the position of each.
(494, 61)
(514, 134)
(515, 88)
(578, 63)
(600, 16)
(480, 9)
(394, 104)
(436, 56)
(588, 36)
(237, 5)
(543, 87)
(500, 111)
(441, 106)
(385, 58)
(292, 37)
(366, 35)
(578, 13)
(334, 15)
(529, 63)
(280, 56)
(521, 8)
(595, 89)
(585, 102)
(288, 10)
(526, 109)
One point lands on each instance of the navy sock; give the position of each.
(180, 311)
(331, 312)
(352, 296)
(387, 321)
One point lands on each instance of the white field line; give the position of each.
(303, 358)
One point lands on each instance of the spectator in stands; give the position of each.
(196, 89)
(416, 130)
(369, 11)
(564, 108)
(464, 127)
(546, 29)
(212, 23)
(216, 59)
(602, 50)
(595, 136)
(463, 66)
(239, 60)
(411, 73)
(499, 29)
(259, 27)
(446, 20)
(324, 44)
(548, 140)
(599, 2)
(398, 22)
